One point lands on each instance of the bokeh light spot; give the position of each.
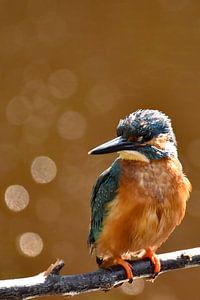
(133, 289)
(43, 169)
(63, 83)
(71, 125)
(16, 197)
(18, 110)
(30, 244)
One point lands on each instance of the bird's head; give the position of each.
(143, 135)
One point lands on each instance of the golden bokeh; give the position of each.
(133, 289)
(16, 197)
(30, 244)
(43, 169)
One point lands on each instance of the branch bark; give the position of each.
(51, 283)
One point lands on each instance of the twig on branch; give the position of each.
(51, 283)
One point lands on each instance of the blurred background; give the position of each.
(69, 70)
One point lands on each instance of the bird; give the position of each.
(139, 200)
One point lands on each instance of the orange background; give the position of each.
(69, 70)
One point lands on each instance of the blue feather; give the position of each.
(104, 191)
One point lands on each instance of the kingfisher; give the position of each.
(138, 201)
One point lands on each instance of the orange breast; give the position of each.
(150, 203)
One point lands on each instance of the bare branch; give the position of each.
(51, 283)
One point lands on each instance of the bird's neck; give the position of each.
(133, 155)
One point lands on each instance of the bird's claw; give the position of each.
(154, 259)
(127, 267)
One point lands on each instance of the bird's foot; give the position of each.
(127, 267)
(154, 259)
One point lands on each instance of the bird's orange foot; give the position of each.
(127, 267)
(154, 259)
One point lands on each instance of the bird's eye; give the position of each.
(140, 138)
(135, 138)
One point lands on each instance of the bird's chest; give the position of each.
(150, 202)
(155, 180)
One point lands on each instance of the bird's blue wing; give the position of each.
(104, 191)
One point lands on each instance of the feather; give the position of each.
(104, 192)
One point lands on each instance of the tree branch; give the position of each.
(51, 283)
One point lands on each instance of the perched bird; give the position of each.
(139, 200)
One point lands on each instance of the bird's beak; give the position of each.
(115, 145)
